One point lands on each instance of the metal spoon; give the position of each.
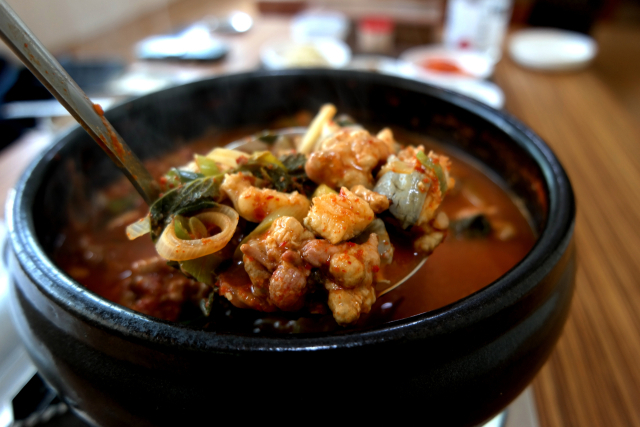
(46, 68)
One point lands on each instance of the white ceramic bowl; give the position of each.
(316, 52)
(552, 49)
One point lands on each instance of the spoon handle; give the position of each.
(49, 71)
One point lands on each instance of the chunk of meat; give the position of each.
(254, 204)
(347, 304)
(347, 158)
(286, 233)
(235, 286)
(338, 217)
(274, 264)
(158, 290)
(349, 269)
(377, 202)
(288, 286)
(259, 276)
(429, 241)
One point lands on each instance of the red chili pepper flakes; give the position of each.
(375, 268)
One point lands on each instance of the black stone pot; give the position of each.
(458, 365)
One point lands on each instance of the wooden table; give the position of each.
(593, 376)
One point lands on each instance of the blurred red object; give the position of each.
(443, 65)
(375, 34)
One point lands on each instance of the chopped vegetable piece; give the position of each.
(405, 194)
(207, 166)
(309, 140)
(169, 246)
(385, 248)
(202, 269)
(322, 190)
(207, 304)
(183, 176)
(226, 157)
(198, 229)
(181, 226)
(436, 168)
(197, 195)
(266, 157)
(139, 228)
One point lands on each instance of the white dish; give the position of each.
(552, 49)
(316, 52)
(319, 23)
(480, 90)
(471, 63)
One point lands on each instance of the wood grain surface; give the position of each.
(593, 376)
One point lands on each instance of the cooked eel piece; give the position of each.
(274, 264)
(349, 270)
(254, 204)
(347, 158)
(338, 217)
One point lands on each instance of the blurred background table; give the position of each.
(590, 119)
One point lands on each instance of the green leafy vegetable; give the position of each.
(295, 164)
(182, 176)
(199, 194)
(202, 269)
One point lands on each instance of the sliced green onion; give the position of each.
(198, 229)
(206, 304)
(322, 190)
(182, 176)
(436, 168)
(181, 226)
(266, 158)
(207, 166)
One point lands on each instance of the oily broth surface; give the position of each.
(455, 270)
